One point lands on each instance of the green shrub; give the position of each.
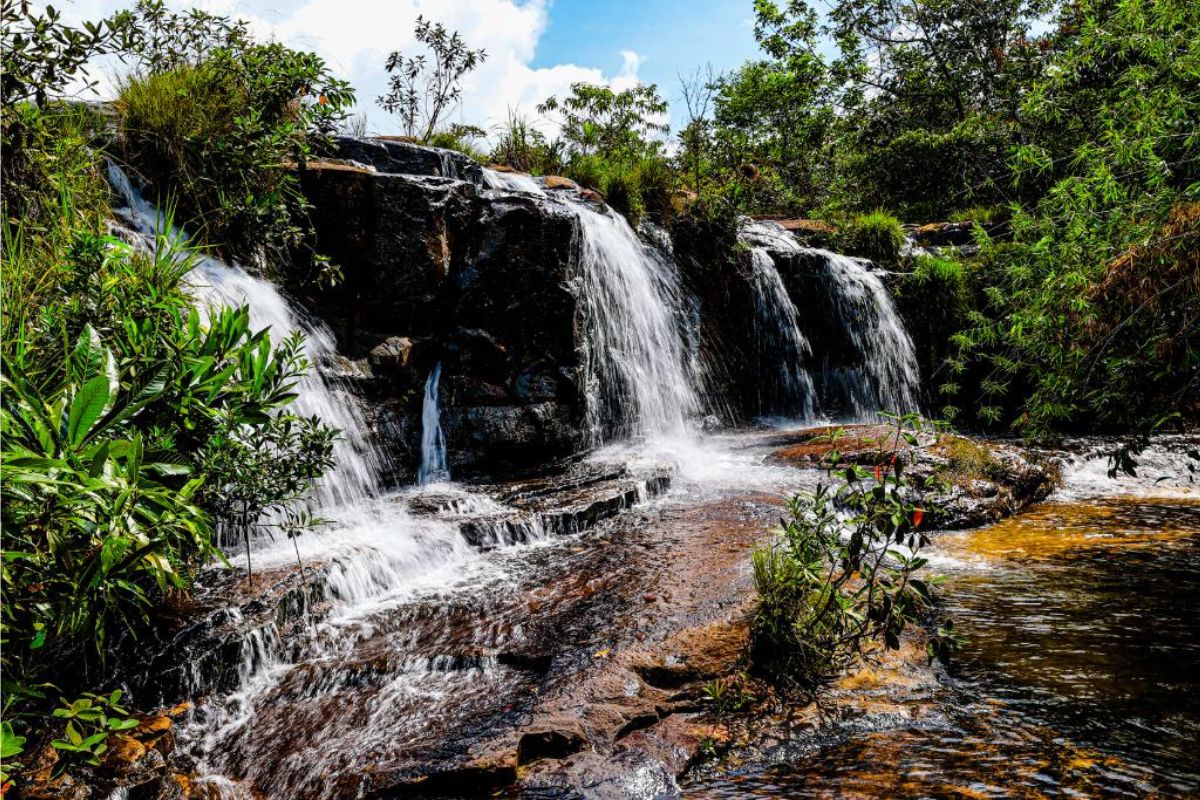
(53, 189)
(843, 577)
(462, 139)
(986, 216)
(935, 300)
(877, 236)
(221, 123)
(526, 149)
(125, 422)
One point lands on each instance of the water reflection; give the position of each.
(1078, 676)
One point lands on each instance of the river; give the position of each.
(1077, 676)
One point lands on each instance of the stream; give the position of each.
(532, 630)
(1078, 673)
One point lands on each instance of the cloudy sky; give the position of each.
(535, 47)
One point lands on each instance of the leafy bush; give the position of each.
(1090, 316)
(935, 300)
(53, 190)
(42, 56)
(224, 122)
(107, 451)
(877, 236)
(121, 405)
(843, 576)
(462, 138)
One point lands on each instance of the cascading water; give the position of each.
(883, 374)
(215, 283)
(433, 441)
(373, 554)
(888, 377)
(781, 348)
(635, 363)
(386, 659)
(637, 371)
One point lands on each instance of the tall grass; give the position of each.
(877, 236)
(54, 190)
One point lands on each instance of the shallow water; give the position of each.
(1078, 674)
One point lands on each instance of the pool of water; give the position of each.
(1078, 675)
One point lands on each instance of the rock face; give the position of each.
(976, 482)
(437, 268)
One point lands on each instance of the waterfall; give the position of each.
(888, 377)
(786, 389)
(637, 372)
(512, 182)
(433, 441)
(214, 283)
(883, 375)
(634, 359)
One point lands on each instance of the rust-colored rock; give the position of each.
(123, 751)
(559, 182)
(153, 726)
(592, 196)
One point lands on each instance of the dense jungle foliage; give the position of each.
(135, 423)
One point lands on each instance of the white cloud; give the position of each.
(355, 36)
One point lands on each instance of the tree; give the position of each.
(598, 120)
(1093, 311)
(42, 56)
(420, 92)
(771, 122)
(928, 92)
(695, 139)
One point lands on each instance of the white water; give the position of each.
(639, 380)
(888, 378)
(1164, 469)
(214, 283)
(782, 350)
(637, 373)
(634, 361)
(512, 182)
(434, 467)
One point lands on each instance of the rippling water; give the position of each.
(1078, 675)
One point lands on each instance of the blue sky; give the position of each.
(669, 36)
(535, 47)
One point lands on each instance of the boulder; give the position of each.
(559, 182)
(394, 154)
(944, 234)
(392, 356)
(396, 238)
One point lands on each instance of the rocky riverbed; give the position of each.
(567, 655)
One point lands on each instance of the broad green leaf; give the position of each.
(86, 408)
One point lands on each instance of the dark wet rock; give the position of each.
(394, 237)
(549, 740)
(393, 154)
(436, 269)
(943, 234)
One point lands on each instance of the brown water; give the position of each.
(1079, 674)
